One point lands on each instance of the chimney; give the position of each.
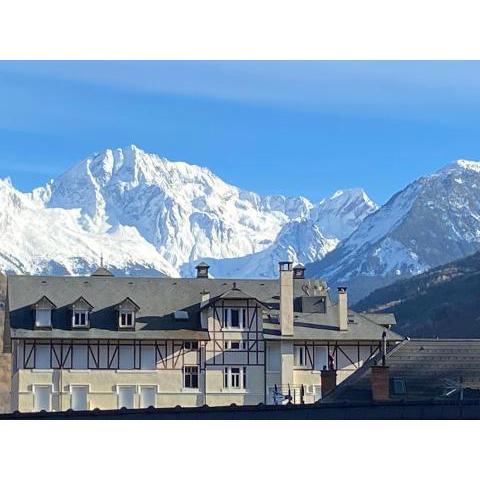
(328, 379)
(342, 309)
(286, 298)
(299, 271)
(380, 383)
(202, 270)
(205, 298)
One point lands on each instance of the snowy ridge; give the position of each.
(434, 220)
(149, 215)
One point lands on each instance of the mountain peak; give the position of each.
(460, 165)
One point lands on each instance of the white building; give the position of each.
(109, 342)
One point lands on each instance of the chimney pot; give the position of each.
(202, 270)
(299, 271)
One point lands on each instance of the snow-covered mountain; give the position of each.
(148, 215)
(434, 220)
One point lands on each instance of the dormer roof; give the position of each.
(127, 304)
(43, 302)
(234, 293)
(81, 304)
(102, 272)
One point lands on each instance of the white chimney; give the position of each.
(286, 298)
(342, 308)
(204, 299)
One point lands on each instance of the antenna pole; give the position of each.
(384, 348)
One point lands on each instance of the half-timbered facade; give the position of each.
(109, 342)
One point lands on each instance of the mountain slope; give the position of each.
(35, 239)
(301, 240)
(442, 302)
(146, 214)
(433, 220)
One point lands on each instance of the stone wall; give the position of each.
(5, 356)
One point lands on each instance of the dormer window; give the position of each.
(127, 319)
(80, 318)
(81, 313)
(43, 312)
(127, 310)
(234, 318)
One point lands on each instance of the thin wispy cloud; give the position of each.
(297, 128)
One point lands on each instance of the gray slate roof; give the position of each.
(158, 299)
(429, 368)
(313, 326)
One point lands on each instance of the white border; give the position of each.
(216, 29)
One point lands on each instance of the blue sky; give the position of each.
(296, 128)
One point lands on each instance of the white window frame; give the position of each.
(299, 356)
(50, 401)
(242, 345)
(81, 385)
(184, 377)
(126, 385)
(145, 386)
(49, 318)
(120, 321)
(242, 318)
(242, 378)
(81, 312)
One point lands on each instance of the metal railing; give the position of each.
(289, 393)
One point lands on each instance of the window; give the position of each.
(300, 360)
(126, 319)
(399, 386)
(190, 377)
(79, 356)
(127, 357)
(190, 345)
(147, 396)
(42, 397)
(42, 356)
(321, 358)
(235, 377)
(273, 357)
(234, 317)
(43, 318)
(147, 357)
(80, 318)
(235, 345)
(126, 396)
(79, 397)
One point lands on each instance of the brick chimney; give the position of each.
(286, 298)
(328, 381)
(380, 383)
(380, 377)
(342, 310)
